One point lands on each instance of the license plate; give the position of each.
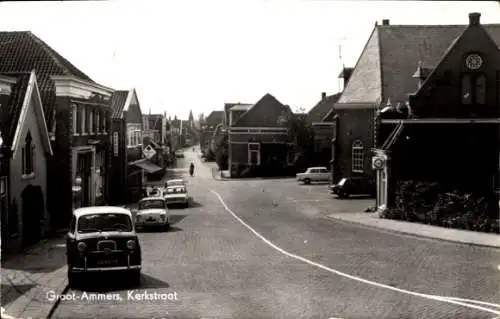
(107, 262)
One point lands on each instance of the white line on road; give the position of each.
(451, 300)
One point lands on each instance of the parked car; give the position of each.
(179, 154)
(177, 195)
(353, 186)
(314, 174)
(152, 212)
(102, 239)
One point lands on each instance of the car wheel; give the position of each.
(166, 227)
(135, 277)
(307, 181)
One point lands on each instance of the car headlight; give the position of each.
(81, 247)
(131, 244)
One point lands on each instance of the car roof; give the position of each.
(176, 180)
(101, 210)
(318, 167)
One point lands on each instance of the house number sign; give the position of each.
(473, 61)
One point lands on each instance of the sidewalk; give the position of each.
(421, 230)
(29, 278)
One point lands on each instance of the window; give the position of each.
(75, 119)
(98, 122)
(254, 153)
(28, 155)
(134, 135)
(83, 119)
(357, 156)
(498, 88)
(115, 143)
(473, 89)
(466, 89)
(91, 121)
(480, 89)
(53, 126)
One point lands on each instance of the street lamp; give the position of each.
(77, 189)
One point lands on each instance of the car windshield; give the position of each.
(343, 181)
(104, 222)
(176, 190)
(152, 204)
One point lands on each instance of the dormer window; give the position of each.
(28, 156)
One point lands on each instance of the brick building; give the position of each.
(77, 112)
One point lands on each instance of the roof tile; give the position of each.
(9, 115)
(22, 51)
(392, 55)
(118, 103)
(318, 112)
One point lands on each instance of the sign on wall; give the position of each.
(149, 152)
(115, 143)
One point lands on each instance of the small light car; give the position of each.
(177, 195)
(314, 174)
(152, 212)
(102, 239)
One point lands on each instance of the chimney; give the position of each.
(323, 96)
(385, 22)
(474, 18)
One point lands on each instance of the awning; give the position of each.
(147, 166)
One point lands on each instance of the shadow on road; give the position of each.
(194, 204)
(10, 293)
(103, 284)
(174, 219)
(39, 260)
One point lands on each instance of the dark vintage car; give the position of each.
(348, 186)
(102, 239)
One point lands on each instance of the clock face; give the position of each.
(473, 61)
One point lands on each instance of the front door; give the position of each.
(32, 211)
(83, 170)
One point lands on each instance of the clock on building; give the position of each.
(473, 61)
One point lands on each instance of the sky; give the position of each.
(197, 55)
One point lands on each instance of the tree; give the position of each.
(222, 153)
(301, 135)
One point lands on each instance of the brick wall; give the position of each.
(354, 124)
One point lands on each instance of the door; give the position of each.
(83, 170)
(32, 211)
(325, 175)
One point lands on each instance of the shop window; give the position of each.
(357, 156)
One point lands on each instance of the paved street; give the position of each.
(215, 267)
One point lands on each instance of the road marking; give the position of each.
(452, 300)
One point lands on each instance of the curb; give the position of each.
(388, 230)
(58, 301)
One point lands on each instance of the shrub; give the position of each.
(433, 204)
